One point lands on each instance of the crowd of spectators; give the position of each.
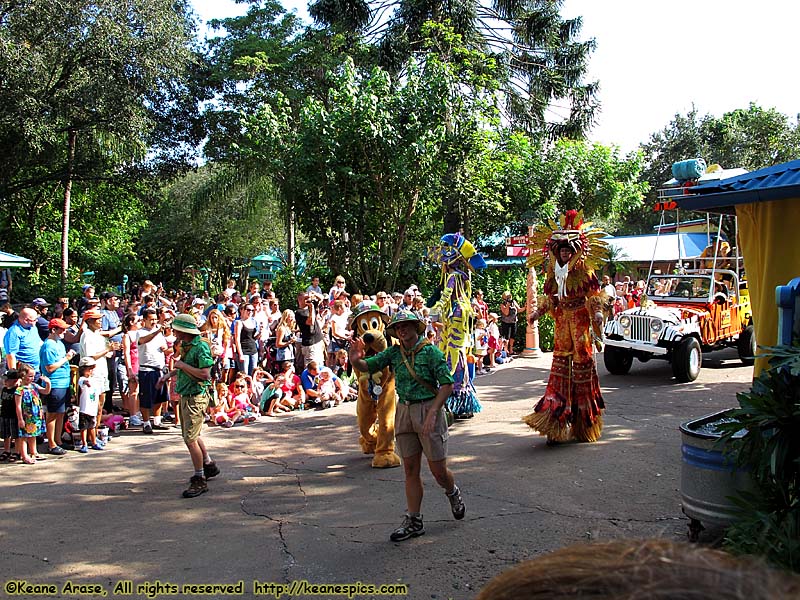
(96, 360)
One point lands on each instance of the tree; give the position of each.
(370, 169)
(90, 87)
(751, 138)
(541, 63)
(543, 181)
(190, 229)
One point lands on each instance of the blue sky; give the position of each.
(656, 59)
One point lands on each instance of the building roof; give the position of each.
(665, 247)
(12, 260)
(772, 183)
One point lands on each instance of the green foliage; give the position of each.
(751, 138)
(191, 228)
(107, 223)
(365, 169)
(540, 63)
(543, 181)
(115, 79)
(768, 520)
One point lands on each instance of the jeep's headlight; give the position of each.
(625, 321)
(656, 325)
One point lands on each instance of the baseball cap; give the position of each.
(92, 314)
(197, 301)
(40, 302)
(60, 323)
(87, 361)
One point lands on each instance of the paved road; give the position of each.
(296, 500)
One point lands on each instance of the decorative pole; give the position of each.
(532, 332)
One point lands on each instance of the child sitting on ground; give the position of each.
(220, 413)
(88, 408)
(293, 393)
(345, 373)
(272, 403)
(241, 401)
(327, 388)
(30, 416)
(8, 416)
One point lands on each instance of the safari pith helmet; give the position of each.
(367, 307)
(185, 324)
(405, 317)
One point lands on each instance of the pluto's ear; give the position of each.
(385, 318)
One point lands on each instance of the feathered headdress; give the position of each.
(571, 231)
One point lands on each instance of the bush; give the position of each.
(767, 522)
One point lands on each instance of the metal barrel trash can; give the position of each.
(708, 477)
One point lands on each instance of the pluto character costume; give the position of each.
(572, 403)
(376, 392)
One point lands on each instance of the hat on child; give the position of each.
(87, 361)
(60, 323)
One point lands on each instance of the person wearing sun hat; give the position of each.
(423, 383)
(93, 344)
(193, 370)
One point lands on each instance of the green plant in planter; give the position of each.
(768, 520)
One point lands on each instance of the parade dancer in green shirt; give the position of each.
(423, 383)
(194, 378)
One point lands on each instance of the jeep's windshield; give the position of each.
(681, 286)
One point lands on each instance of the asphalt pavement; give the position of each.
(297, 502)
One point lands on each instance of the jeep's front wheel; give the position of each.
(746, 345)
(686, 360)
(618, 361)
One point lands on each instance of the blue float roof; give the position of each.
(664, 247)
(772, 183)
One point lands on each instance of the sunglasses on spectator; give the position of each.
(239, 387)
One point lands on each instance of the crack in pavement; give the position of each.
(43, 559)
(290, 559)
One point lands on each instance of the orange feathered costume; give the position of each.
(572, 403)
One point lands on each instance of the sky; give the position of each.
(656, 59)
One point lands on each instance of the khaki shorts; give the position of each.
(192, 410)
(408, 421)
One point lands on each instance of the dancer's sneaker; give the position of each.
(411, 527)
(456, 503)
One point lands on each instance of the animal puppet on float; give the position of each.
(458, 259)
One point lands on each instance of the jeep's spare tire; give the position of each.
(687, 359)
(746, 345)
(618, 361)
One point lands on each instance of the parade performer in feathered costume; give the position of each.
(458, 258)
(572, 403)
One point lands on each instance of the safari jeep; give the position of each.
(681, 317)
